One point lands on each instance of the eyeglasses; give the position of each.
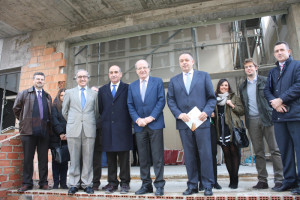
(140, 68)
(80, 77)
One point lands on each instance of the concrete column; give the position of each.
(293, 24)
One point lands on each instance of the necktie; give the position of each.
(188, 82)
(82, 98)
(143, 90)
(113, 92)
(40, 102)
(281, 67)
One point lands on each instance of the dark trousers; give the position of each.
(192, 141)
(30, 143)
(112, 165)
(156, 150)
(288, 140)
(97, 160)
(59, 172)
(214, 151)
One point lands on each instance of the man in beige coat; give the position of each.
(80, 109)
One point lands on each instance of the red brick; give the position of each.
(3, 178)
(60, 77)
(50, 64)
(37, 52)
(33, 60)
(7, 184)
(18, 149)
(21, 156)
(61, 63)
(5, 162)
(18, 183)
(13, 177)
(44, 58)
(37, 48)
(69, 198)
(2, 156)
(2, 137)
(57, 56)
(15, 142)
(13, 197)
(12, 155)
(49, 51)
(16, 162)
(9, 170)
(6, 148)
(3, 194)
(54, 197)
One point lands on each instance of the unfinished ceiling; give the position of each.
(90, 19)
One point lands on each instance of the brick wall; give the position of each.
(44, 59)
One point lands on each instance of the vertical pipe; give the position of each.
(194, 40)
(3, 101)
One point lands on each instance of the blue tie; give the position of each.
(82, 98)
(114, 91)
(188, 82)
(143, 90)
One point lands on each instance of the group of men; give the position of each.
(141, 103)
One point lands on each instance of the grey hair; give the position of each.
(144, 61)
(80, 70)
(120, 70)
(38, 73)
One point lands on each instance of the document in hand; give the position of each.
(194, 122)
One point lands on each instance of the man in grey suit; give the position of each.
(187, 90)
(80, 109)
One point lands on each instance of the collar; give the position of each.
(146, 79)
(79, 88)
(117, 84)
(253, 81)
(191, 72)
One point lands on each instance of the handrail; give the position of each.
(7, 129)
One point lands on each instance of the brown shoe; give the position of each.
(45, 187)
(261, 185)
(24, 188)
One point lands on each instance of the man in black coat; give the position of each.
(116, 130)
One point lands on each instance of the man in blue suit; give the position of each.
(116, 130)
(186, 90)
(146, 100)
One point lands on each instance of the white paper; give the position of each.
(194, 118)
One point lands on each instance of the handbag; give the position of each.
(61, 153)
(240, 137)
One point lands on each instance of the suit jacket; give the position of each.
(78, 118)
(201, 95)
(116, 121)
(153, 104)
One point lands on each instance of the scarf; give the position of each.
(222, 98)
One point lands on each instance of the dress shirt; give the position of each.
(79, 93)
(37, 94)
(117, 86)
(146, 84)
(191, 75)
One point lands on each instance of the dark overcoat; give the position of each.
(115, 119)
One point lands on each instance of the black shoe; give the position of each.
(45, 187)
(217, 186)
(283, 188)
(73, 190)
(190, 191)
(159, 191)
(277, 185)
(234, 186)
(124, 189)
(111, 189)
(64, 187)
(89, 190)
(296, 190)
(105, 187)
(261, 185)
(24, 188)
(208, 192)
(144, 190)
(55, 187)
(201, 188)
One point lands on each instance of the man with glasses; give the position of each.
(146, 100)
(258, 115)
(80, 109)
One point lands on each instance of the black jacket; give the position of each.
(264, 109)
(58, 126)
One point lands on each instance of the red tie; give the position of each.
(281, 67)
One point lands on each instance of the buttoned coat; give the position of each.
(116, 121)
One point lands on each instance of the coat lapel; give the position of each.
(181, 83)
(194, 81)
(149, 88)
(76, 96)
(119, 91)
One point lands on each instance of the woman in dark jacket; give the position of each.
(59, 135)
(229, 108)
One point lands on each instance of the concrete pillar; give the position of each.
(293, 24)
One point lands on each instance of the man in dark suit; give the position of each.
(116, 130)
(146, 100)
(283, 93)
(32, 108)
(186, 90)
